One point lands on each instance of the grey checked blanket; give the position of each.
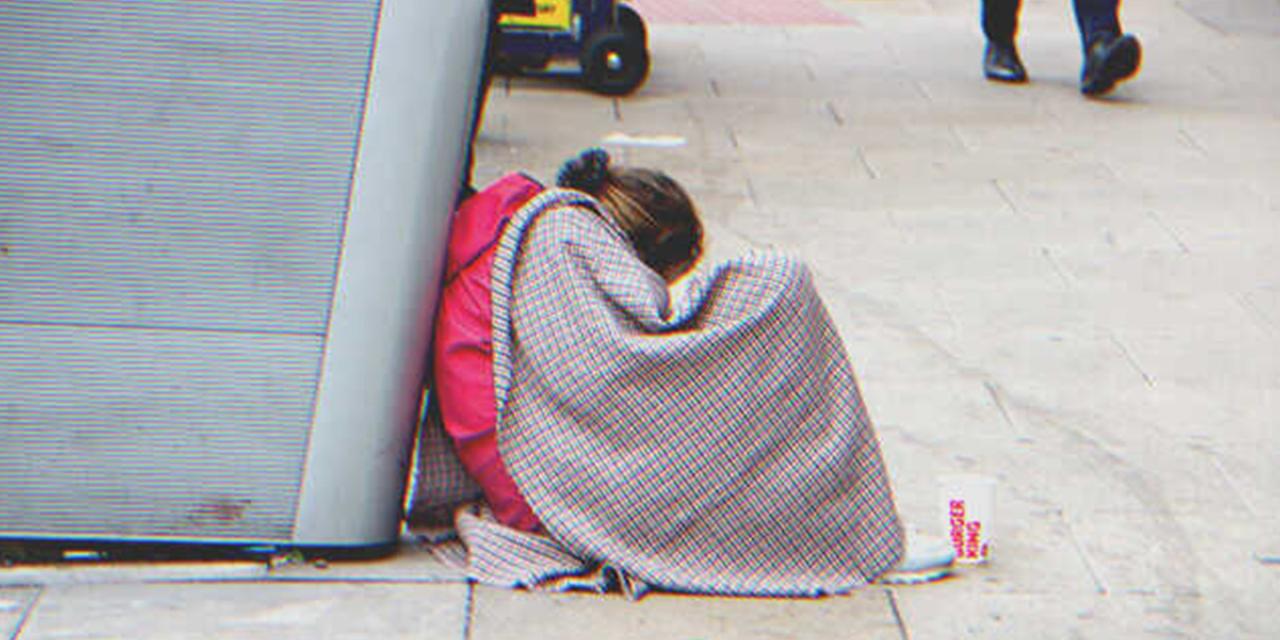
(710, 442)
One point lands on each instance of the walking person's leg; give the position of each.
(1096, 17)
(1000, 24)
(1110, 55)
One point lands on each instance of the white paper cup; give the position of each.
(968, 515)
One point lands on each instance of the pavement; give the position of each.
(1079, 298)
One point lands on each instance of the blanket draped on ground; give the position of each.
(712, 441)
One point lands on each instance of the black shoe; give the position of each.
(1001, 63)
(1108, 60)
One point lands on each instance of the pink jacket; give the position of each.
(463, 349)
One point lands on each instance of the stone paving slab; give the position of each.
(1074, 297)
(945, 613)
(740, 12)
(413, 562)
(73, 573)
(257, 610)
(506, 614)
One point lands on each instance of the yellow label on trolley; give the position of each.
(551, 14)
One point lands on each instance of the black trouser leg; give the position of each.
(1096, 17)
(1000, 20)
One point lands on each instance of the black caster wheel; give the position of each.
(630, 23)
(615, 62)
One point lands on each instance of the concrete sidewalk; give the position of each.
(1078, 297)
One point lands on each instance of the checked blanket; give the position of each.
(712, 441)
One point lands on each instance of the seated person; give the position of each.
(650, 208)
(711, 439)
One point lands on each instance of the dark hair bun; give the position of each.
(585, 172)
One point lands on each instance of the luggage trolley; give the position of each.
(607, 40)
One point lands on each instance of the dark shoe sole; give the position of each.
(1013, 72)
(1011, 78)
(1121, 63)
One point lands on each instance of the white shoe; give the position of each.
(925, 559)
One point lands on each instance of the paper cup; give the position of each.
(968, 515)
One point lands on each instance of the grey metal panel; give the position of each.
(177, 164)
(153, 434)
(220, 245)
(174, 180)
(408, 169)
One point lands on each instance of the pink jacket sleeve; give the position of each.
(463, 348)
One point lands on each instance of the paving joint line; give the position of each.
(692, 113)
(26, 614)
(1057, 268)
(1190, 140)
(1111, 171)
(1255, 313)
(1133, 362)
(897, 614)
(866, 164)
(468, 610)
(1231, 482)
(994, 392)
(835, 115)
(941, 297)
(751, 192)
(893, 222)
(1202, 22)
(965, 145)
(1169, 230)
(923, 91)
(1004, 195)
(1094, 575)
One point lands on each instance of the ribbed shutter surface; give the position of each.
(173, 183)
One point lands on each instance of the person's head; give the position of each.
(655, 212)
